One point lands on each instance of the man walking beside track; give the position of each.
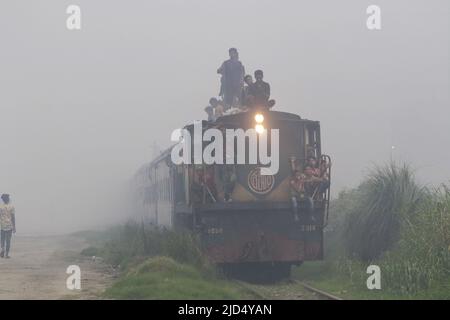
(7, 225)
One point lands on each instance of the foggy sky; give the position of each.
(80, 110)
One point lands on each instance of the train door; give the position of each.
(312, 140)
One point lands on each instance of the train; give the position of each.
(244, 219)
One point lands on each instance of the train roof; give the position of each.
(276, 115)
(229, 118)
(238, 116)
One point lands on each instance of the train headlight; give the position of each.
(259, 128)
(259, 118)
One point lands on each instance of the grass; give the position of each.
(389, 221)
(321, 275)
(133, 242)
(164, 278)
(392, 222)
(90, 251)
(421, 259)
(159, 264)
(388, 197)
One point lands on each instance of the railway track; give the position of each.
(319, 292)
(295, 289)
(251, 289)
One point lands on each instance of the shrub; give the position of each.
(387, 198)
(422, 257)
(391, 221)
(135, 242)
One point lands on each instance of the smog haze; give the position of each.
(82, 110)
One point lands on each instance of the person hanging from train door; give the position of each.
(7, 225)
(209, 183)
(299, 198)
(196, 186)
(232, 80)
(317, 180)
(228, 175)
(324, 169)
(203, 186)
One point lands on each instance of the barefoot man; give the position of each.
(7, 225)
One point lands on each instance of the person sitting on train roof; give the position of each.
(259, 92)
(232, 80)
(299, 198)
(210, 110)
(248, 80)
(215, 109)
(219, 110)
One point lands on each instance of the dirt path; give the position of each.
(37, 269)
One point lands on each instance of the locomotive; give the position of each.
(244, 219)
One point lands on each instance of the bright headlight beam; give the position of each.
(259, 118)
(259, 128)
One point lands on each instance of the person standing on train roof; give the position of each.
(232, 80)
(7, 225)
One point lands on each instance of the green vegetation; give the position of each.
(392, 222)
(159, 264)
(90, 251)
(136, 242)
(389, 220)
(387, 198)
(421, 259)
(164, 278)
